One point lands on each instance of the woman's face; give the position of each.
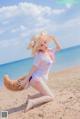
(43, 46)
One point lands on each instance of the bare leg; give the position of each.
(47, 96)
(34, 96)
(37, 101)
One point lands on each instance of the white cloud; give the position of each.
(20, 22)
(72, 23)
(28, 9)
(37, 10)
(8, 43)
(8, 12)
(58, 11)
(22, 27)
(26, 19)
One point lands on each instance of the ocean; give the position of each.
(66, 58)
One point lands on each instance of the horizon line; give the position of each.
(31, 56)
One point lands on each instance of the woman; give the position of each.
(44, 57)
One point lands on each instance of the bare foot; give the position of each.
(29, 105)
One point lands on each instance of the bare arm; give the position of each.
(23, 82)
(34, 68)
(58, 45)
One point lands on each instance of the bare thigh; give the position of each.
(41, 87)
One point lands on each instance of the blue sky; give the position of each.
(20, 19)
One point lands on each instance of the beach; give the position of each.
(65, 86)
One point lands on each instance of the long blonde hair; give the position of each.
(35, 41)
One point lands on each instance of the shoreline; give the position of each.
(66, 105)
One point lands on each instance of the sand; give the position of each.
(66, 105)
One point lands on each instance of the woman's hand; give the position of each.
(23, 82)
(58, 45)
